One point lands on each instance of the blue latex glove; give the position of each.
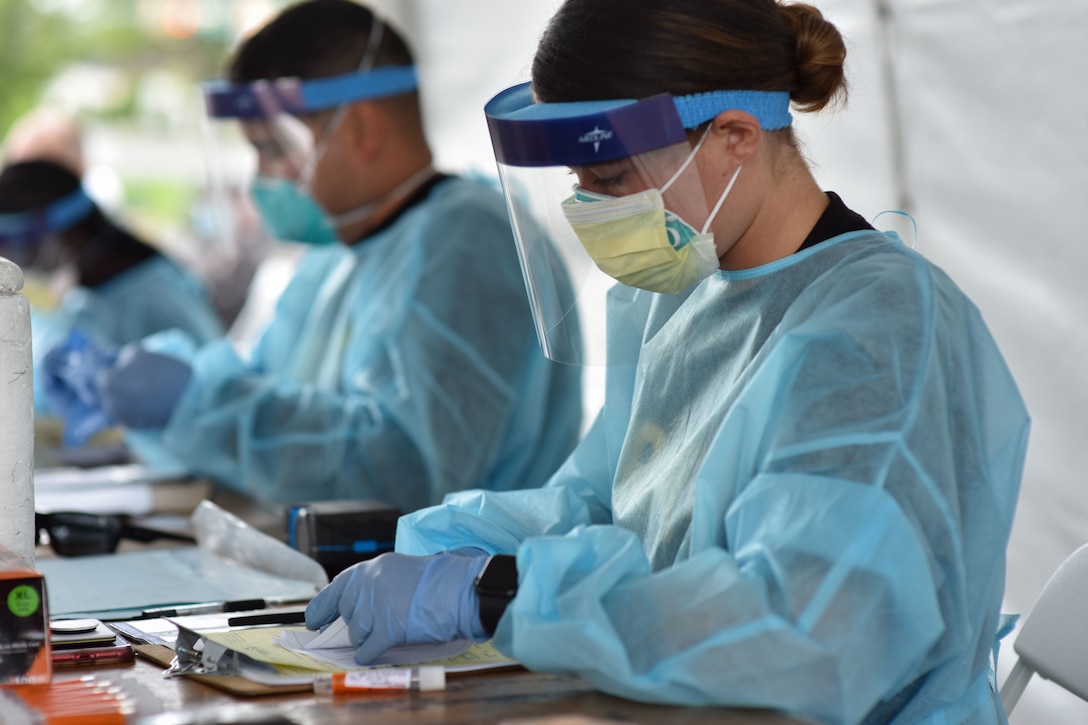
(70, 373)
(397, 599)
(142, 388)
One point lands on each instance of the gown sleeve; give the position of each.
(498, 522)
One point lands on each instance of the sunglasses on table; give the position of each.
(72, 533)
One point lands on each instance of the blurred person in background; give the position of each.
(84, 270)
(46, 134)
(401, 362)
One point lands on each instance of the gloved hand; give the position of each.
(398, 599)
(70, 374)
(142, 388)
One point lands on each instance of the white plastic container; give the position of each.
(16, 416)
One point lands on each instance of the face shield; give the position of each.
(31, 238)
(607, 191)
(267, 117)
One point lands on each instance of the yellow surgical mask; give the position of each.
(634, 240)
(637, 241)
(44, 291)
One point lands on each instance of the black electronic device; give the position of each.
(338, 534)
(496, 585)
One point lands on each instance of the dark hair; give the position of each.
(315, 39)
(33, 185)
(604, 49)
(100, 248)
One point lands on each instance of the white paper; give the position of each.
(121, 489)
(63, 479)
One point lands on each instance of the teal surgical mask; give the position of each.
(290, 214)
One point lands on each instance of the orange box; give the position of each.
(24, 623)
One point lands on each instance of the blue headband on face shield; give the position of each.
(296, 96)
(525, 133)
(26, 227)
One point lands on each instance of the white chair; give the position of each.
(1053, 640)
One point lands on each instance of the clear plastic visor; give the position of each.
(276, 144)
(567, 290)
(248, 154)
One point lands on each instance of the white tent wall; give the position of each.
(467, 51)
(995, 164)
(977, 125)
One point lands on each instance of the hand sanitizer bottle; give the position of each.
(16, 417)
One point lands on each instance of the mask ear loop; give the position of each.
(350, 217)
(377, 29)
(347, 218)
(687, 162)
(721, 199)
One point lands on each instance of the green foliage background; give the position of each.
(38, 40)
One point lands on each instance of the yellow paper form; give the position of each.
(259, 643)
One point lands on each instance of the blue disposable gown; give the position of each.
(154, 296)
(799, 498)
(402, 368)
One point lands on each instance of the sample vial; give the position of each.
(424, 679)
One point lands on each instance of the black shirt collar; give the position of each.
(837, 219)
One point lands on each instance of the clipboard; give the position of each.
(163, 656)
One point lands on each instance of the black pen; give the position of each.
(238, 605)
(273, 618)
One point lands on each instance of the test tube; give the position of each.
(428, 678)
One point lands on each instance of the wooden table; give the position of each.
(506, 696)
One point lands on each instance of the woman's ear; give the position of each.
(737, 134)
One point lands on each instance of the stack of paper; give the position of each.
(272, 655)
(130, 489)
